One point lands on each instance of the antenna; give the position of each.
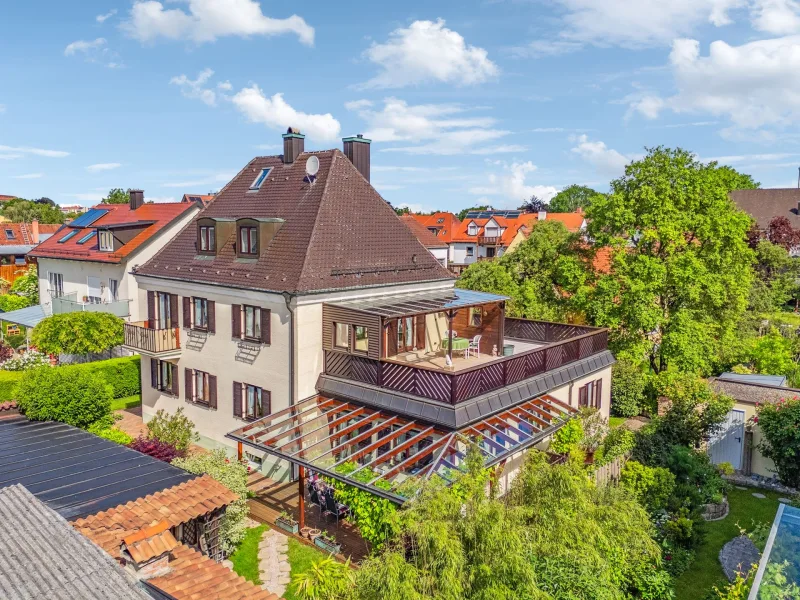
(312, 168)
(798, 177)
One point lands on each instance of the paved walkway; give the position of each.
(131, 422)
(273, 561)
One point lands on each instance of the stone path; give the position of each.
(758, 495)
(273, 562)
(737, 556)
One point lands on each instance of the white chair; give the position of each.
(475, 344)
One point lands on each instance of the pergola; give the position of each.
(388, 454)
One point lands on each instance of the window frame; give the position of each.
(260, 179)
(59, 279)
(355, 348)
(113, 289)
(164, 366)
(246, 401)
(256, 323)
(470, 251)
(204, 379)
(336, 331)
(104, 236)
(251, 233)
(10, 235)
(207, 235)
(204, 310)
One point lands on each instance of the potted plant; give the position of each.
(287, 523)
(304, 531)
(314, 534)
(327, 542)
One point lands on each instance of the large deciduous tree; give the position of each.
(26, 211)
(117, 196)
(681, 267)
(534, 205)
(571, 198)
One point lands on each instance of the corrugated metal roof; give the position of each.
(779, 380)
(28, 316)
(42, 556)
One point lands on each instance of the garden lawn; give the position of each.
(126, 403)
(706, 572)
(301, 557)
(616, 421)
(245, 559)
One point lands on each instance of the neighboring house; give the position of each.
(737, 442)
(72, 208)
(87, 265)
(5, 198)
(299, 294)
(18, 239)
(443, 225)
(201, 199)
(766, 204)
(436, 246)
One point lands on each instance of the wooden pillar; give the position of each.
(239, 451)
(301, 505)
(450, 316)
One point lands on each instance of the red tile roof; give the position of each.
(202, 199)
(150, 542)
(152, 218)
(21, 234)
(445, 223)
(425, 237)
(4, 198)
(337, 233)
(572, 221)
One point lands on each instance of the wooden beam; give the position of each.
(553, 400)
(381, 442)
(342, 432)
(398, 449)
(270, 429)
(280, 413)
(239, 451)
(360, 437)
(347, 417)
(414, 458)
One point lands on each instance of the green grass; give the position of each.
(616, 421)
(245, 559)
(706, 572)
(125, 403)
(301, 556)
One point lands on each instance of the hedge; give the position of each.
(8, 383)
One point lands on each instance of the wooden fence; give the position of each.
(610, 473)
(11, 273)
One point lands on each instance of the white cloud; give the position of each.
(2, 108)
(276, 113)
(431, 128)
(648, 105)
(748, 157)
(779, 17)
(160, 199)
(28, 176)
(15, 152)
(428, 51)
(215, 179)
(103, 167)
(207, 20)
(9, 156)
(512, 184)
(106, 17)
(84, 46)
(603, 158)
(94, 51)
(543, 48)
(417, 208)
(87, 197)
(386, 187)
(195, 88)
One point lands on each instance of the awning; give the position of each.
(404, 305)
(390, 455)
(27, 317)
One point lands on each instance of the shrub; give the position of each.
(16, 340)
(327, 579)
(176, 429)
(627, 389)
(9, 302)
(618, 442)
(123, 374)
(156, 448)
(697, 480)
(780, 426)
(595, 429)
(78, 333)
(652, 486)
(27, 361)
(111, 433)
(568, 437)
(27, 286)
(81, 400)
(6, 352)
(233, 475)
(8, 385)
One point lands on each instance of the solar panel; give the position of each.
(88, 218)
(87, 237)
(69, 236)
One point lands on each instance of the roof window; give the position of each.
(87, 237)
(262, 176)
(69, 236)
(10, 234)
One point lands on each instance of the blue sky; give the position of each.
(467, 102)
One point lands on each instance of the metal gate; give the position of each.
(727, 444)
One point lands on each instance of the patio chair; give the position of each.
(315, 499)
(335, 508)
(475, 345)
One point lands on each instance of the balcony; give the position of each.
(152, 341)
(489, 240)
(68, 303)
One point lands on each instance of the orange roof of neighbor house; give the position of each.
(150, 542)
(5, 198)
(146, 222)
(197, 577)
(572, 221)
(445, 223)
(176, 505)
(424, 235)
(16, 234)
(201, 199)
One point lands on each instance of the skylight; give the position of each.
(89, 217)
(87, 237)
(260, 179)
(69, 236)
(10, 234)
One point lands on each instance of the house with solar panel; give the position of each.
(86, 265)
(299, 323)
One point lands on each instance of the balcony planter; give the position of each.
(288, 524)
(327, 545)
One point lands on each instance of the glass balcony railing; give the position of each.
(68, 303)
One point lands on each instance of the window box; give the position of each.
(287, 523)
(327, 545)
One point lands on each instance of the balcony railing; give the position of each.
(138, 336)
(68, 303)
(566, 344)
(488, 239)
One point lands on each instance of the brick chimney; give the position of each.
(137, 198)
(35, 231)
(357, 150)
(294, 144)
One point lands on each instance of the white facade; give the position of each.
(87, 279)
(441, 254)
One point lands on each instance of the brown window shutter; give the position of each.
(212, 317)
(187, 312)
(154, 373)
(151, 309)
(265, 325)
(583, 396)
(598, 393)
(236, 320)
(175, 385)
(173, 310)
(266, 400)
(420, 327)
(188, 378)
(237, 399)
(212, 391)
(391, 338)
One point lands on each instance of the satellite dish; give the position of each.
(312, 166)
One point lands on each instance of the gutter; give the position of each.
(287, 298)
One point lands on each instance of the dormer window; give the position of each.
(105, 241)
(208, 242)
(248, 240)
(262, 176)
(472, 229)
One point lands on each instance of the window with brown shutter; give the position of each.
(598, 391)
(175, 385)
(583, 396)
(212, 392)
(236, 320)
(266, 314)
(212, 318)
(173, 310)
(188, 387)
(154, 373)
(187, 312)
(237, 399)
(151, 309)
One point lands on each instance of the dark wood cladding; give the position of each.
(147, 339)
(455, 387)
(543, 331)
(490, 329)
(336, 314)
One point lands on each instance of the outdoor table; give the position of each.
(458, 344)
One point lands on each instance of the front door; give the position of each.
(728, 443)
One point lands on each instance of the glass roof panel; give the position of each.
(399, 305)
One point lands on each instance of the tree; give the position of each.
(781, 233)
(402, 210)
(27, 286)
(463, 213)
(534, 205)
(776, 274)
(9, 302)
(78, 333)
(773, 354)
(490, 276)
(117, 196)
(680, 272)
(627, 388)
(26, 211)
(571, 198)
(780, 425)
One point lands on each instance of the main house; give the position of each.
(87, 264)
(298, 320)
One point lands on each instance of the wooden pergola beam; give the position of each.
(381, 442)
(397, 449)
(356, 413)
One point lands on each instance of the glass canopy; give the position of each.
(778, 574)
(391, 455)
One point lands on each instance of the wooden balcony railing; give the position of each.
(488, 239)
(151, 341)
(566, 344)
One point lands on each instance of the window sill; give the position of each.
(167, 392)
